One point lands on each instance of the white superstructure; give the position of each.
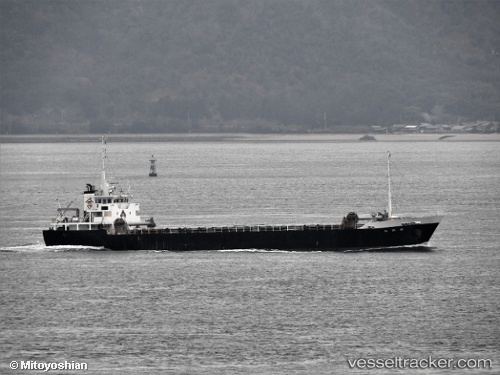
(103, 208)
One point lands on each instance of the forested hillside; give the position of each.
(266, 65)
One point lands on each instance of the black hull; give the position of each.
(303, 240)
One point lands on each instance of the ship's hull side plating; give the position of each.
(307, 239)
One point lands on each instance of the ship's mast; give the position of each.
(389, 197)
(104, 183)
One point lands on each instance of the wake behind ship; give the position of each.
(110, 219)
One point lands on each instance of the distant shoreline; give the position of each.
(248, 137)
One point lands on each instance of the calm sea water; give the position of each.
(252, 312)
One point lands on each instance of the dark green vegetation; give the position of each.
(267, 65)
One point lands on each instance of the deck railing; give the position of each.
(237, 228)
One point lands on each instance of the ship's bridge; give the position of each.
(106, 209)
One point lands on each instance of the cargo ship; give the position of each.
(110, 219)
